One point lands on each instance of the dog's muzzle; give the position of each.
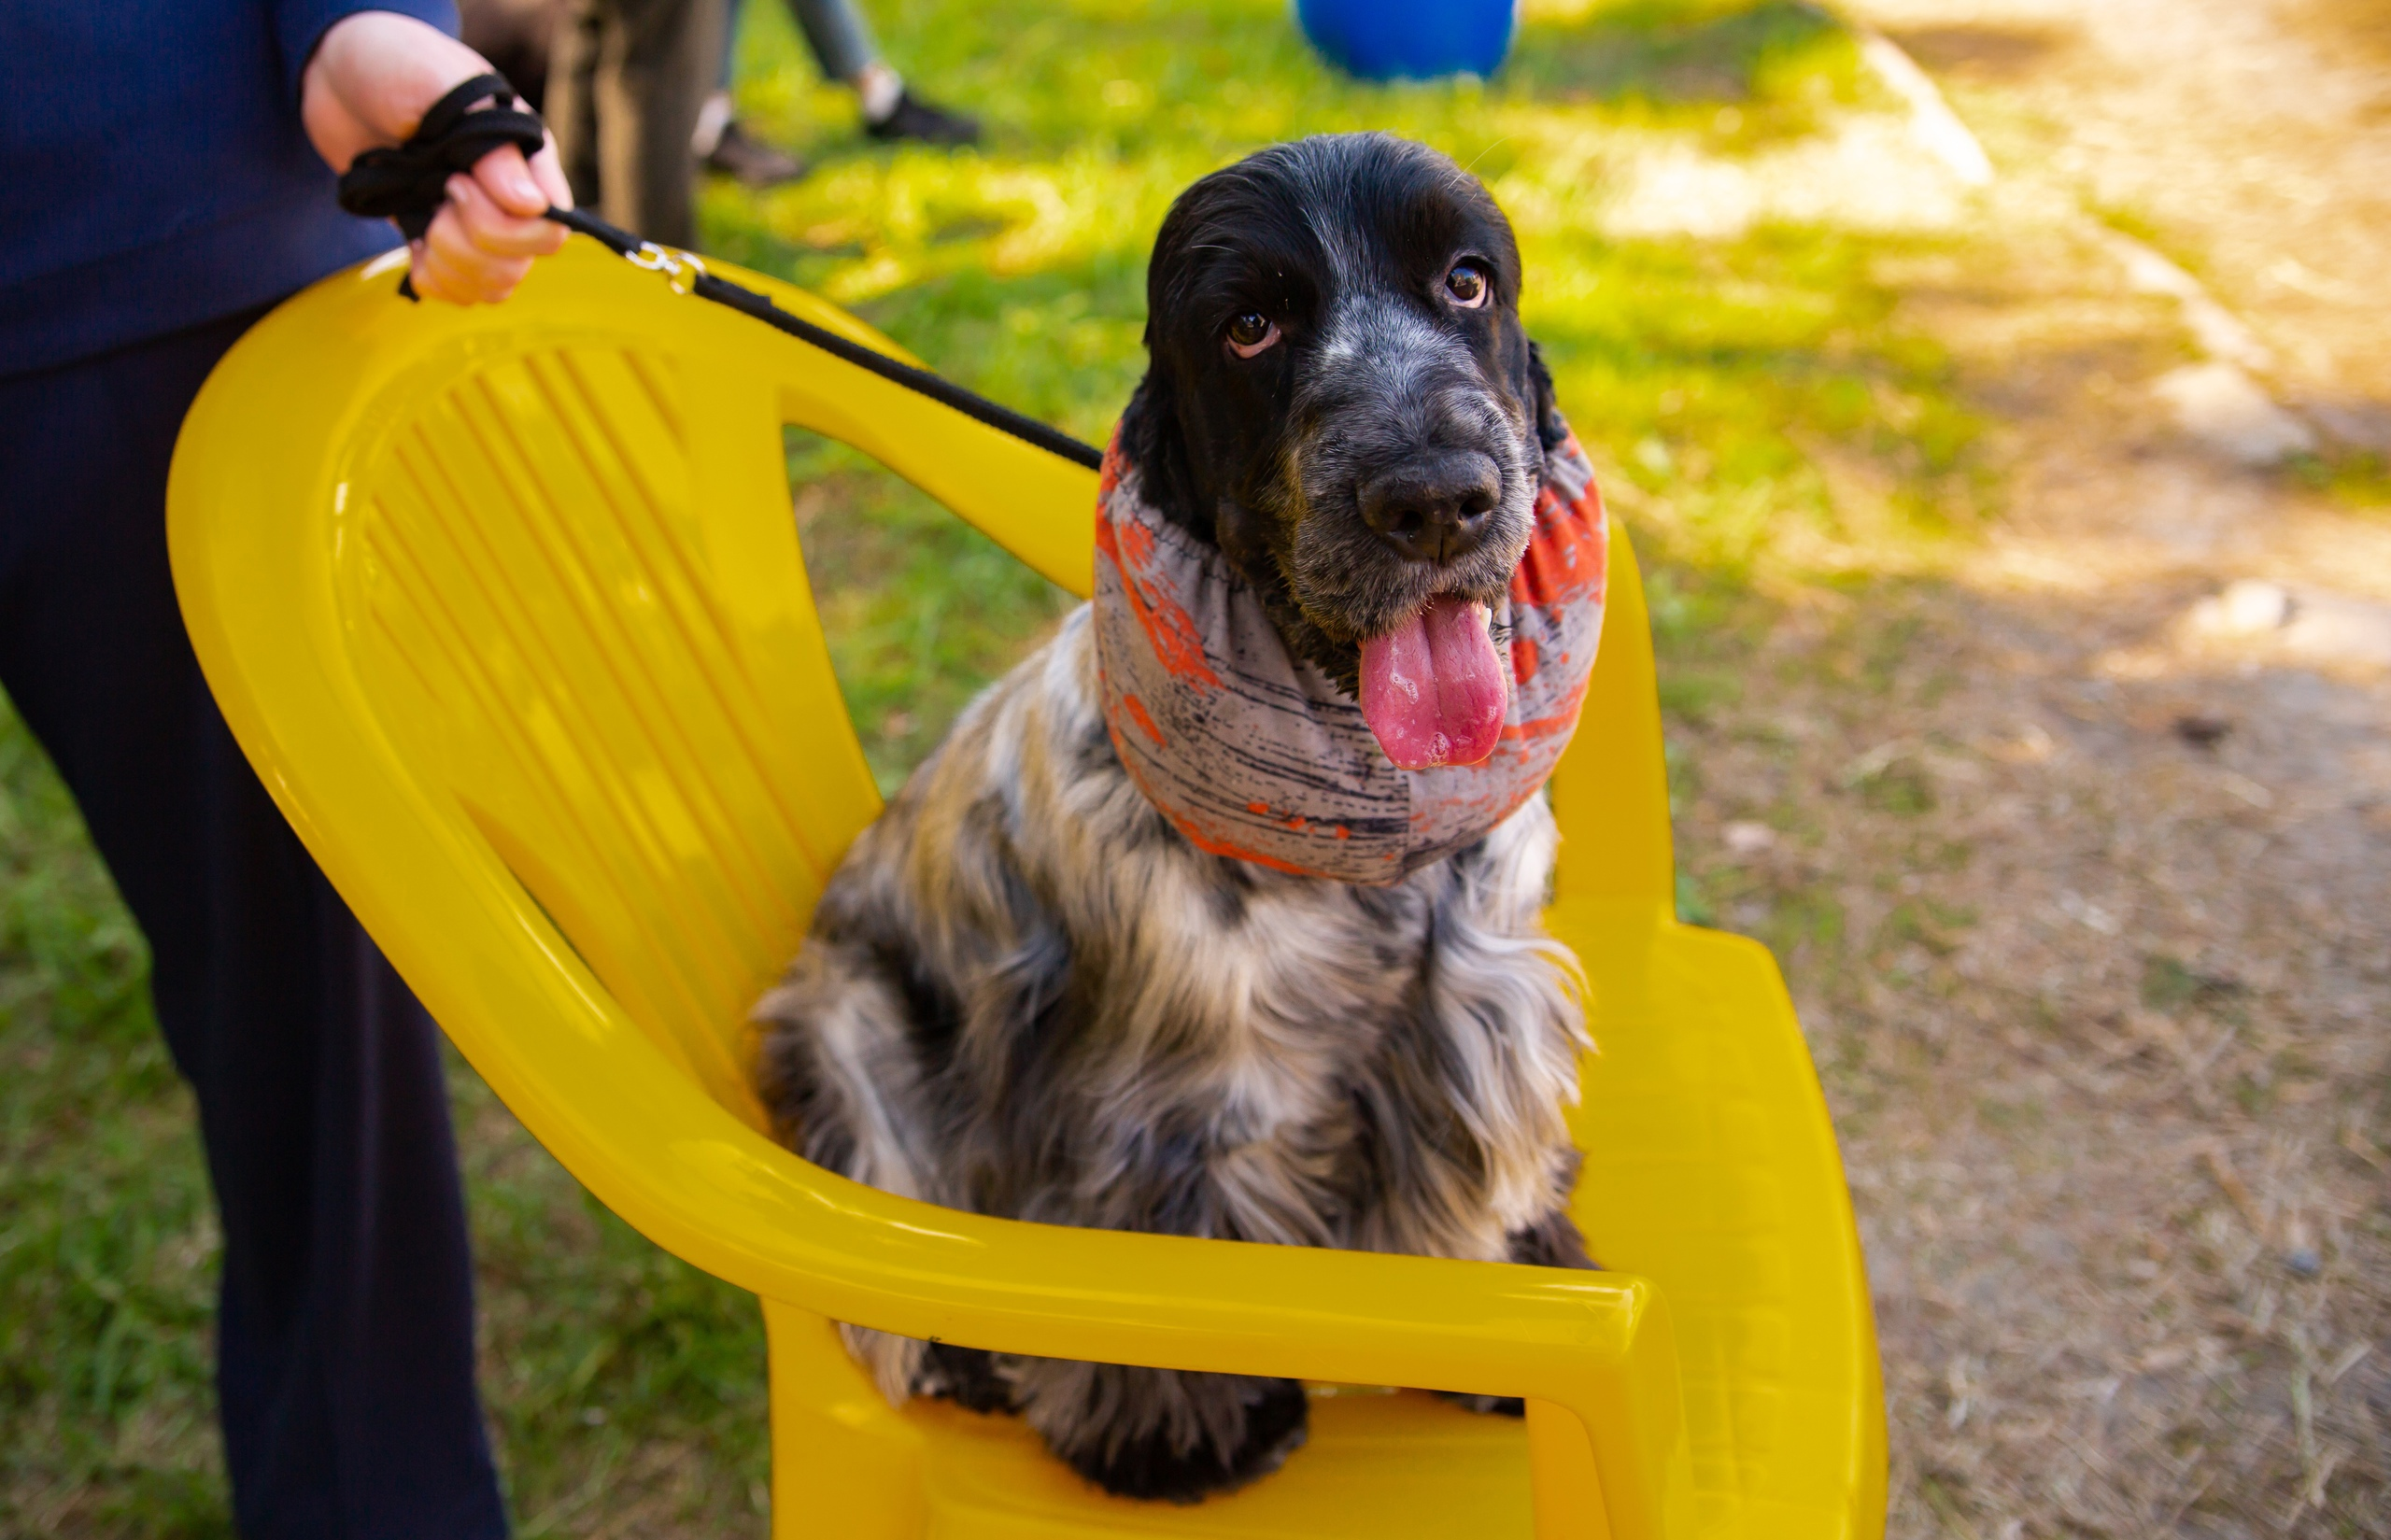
(1254, 754)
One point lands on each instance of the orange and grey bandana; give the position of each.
(1254, 754)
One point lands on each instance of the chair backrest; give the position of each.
(567, 572)
(625, 690)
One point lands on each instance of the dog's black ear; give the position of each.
(1154, 443)
(1550, 428)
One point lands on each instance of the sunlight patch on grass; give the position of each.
(1736, 73)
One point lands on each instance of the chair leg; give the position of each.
(845, 1463)
(1568, 1488)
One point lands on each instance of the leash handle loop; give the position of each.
(407, 184)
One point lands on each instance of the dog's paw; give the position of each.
(893, 1363)
(1491, 1405)
(1154, 1466)
(1159, 1433)
(1552, 1241)
(965, 1375)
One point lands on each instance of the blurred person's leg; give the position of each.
(571, 105)
(842, 45)
(627, 82)
(841, 39)
(518, 38)
(722, 143)
(346, 1328)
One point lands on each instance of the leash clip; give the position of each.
(681, 269)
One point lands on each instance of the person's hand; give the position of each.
(372, 78)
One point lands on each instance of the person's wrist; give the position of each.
(373, 76)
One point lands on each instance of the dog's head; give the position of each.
(1340, 397)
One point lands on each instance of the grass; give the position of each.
(106, 1240)
(921, 608)
(2358, 479)
(1755, 404)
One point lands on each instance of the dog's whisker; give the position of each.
(1486, 151)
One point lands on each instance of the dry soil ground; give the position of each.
(2085, 883)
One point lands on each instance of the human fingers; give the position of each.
(503, 174)
(427, 277)
(548, 169)
(458, 271)
(491, 230)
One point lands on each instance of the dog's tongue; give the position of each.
(1433, 689)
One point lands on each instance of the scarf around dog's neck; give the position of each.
(1256, 753)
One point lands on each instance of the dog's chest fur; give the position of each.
(1025, 995)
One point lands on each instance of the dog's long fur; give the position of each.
(1025, 994)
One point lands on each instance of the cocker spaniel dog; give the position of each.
(1219, 915)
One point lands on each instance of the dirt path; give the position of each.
(2097, 959)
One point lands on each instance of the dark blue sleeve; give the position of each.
(299, 25)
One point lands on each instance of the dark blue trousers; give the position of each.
(345, 1363)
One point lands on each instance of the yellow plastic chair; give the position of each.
(507, 608)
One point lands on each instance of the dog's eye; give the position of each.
(1251, 332)
(1466, 283)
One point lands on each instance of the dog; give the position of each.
(1027, 991)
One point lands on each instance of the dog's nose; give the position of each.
(1434, 508)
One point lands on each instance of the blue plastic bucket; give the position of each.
(1409, 40)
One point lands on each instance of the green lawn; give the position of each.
(1710, 379)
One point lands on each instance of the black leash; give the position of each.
(407, 186)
